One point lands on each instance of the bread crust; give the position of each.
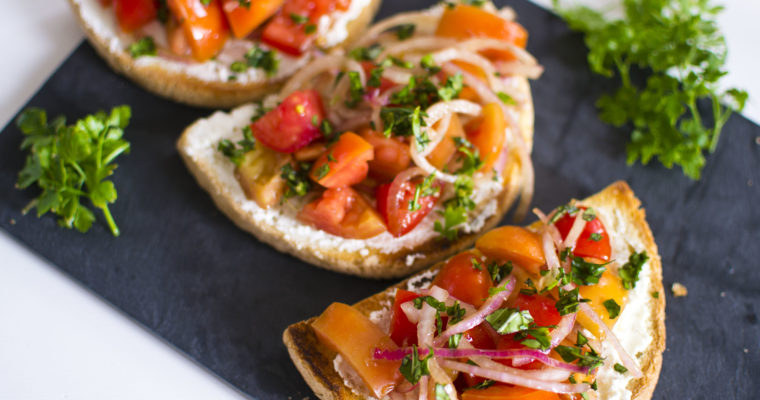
(374, 264)
(185, 88)
(315, 361)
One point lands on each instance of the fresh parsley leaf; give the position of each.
(629, 272)
(404, 31)
(568, 301)
(428, 64)
(143, 47)
(413, 368)
(69, 163)
(232, 151)
(456, 208)
(538, 337)
(322, 171)
(257, 57)
(569, 209)
(613, 308)
(454, 340)
(356, 90)
(423, 189)
(510, 320)
(583, 272)
(299, 19)
(620, 368)
(581, 340)
(297, 180)
(468, 156)
(506, 99)
(595, 236)
(451, 88)
(366, 53)
(588, 359)
(679, 46)
(499, 272)
(484, 385)
(309, 29)
(589, 214)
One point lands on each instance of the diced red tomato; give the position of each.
(205, 27)
(391, 156)
(502, 391)
(465, 21)
(585, 246)
(178, 43)
(488, 134)
(446, 148)
(133, 14)
(289, 35)
(291, 125)
(343, 212)
(403, 332)
(348, 332)
(515, 244)
(104, 3)
(541, 308)
(479, 337)
(394, 205)
(243, 20)
(464, 280)
(344, 163)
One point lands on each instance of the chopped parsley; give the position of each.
(509, 320)
(296, 179)
(590, 358)
(499, 272)
(484, 385)
(232, 151)
(586, 273)
(595, 237)
(620, 368)
(613, 308)
(143, 47)
(413, 367)
(629, 272)
(561, 211)
(299, 19)
(568, 301)
(257, 57)
(506, 99)
(423, 189)
(322, 171)
(356, 90)
(366, 53)
(456, 208)
(404, 31)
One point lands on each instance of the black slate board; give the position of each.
(188, 274)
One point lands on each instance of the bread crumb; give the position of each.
(722, 294)
(13, 221)
(746, 350)
(679, 290)
(757, 140)
(749, 182)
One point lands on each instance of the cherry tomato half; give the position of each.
(403, 332)
(586, 246)
(343, 212)
(465, 280)
(344, 163)
(133, 14)
(395, 200)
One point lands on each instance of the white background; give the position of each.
(60, 341)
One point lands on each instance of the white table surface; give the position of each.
(58, 340)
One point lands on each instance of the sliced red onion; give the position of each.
(563, 329)
(421, 19)
(426, 326)
(492, 304)
(575, 232)
(505, 377)
(423, 388)
(412, 314)
(550, 252)
(625, 358)
(316, 67)
(442, 352)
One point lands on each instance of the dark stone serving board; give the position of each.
(188, 274)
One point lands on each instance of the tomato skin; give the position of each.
(404, 220)
(391, 156)
(609, 287)
(290, 37)
(244, 20)
(343, 212)
(465, 21)
(488, 134)
(133, 14)
(289, 126)
(584, 246)
(515, 244)
(542, 308)
(345, 162)
(403, 332)
(460, 278)
(507, 342)
(502, 391)
(205, 27)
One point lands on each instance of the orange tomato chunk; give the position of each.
(343, 212)
(465, 280)
(205, 27)
(609, 287)
(515, 244)
(464, 22)
(243, 20)
(446, 148)
(344, 163)
(488, 134)
(391, 156)
(507, 392)
(345, 330)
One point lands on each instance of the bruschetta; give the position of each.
(570, 307)
(381, 160)
(217, 53)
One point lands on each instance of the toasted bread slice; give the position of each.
(625, 221)
(206, 84)
(380, 257)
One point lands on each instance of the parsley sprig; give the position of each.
(71, 162)
(680, 45)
